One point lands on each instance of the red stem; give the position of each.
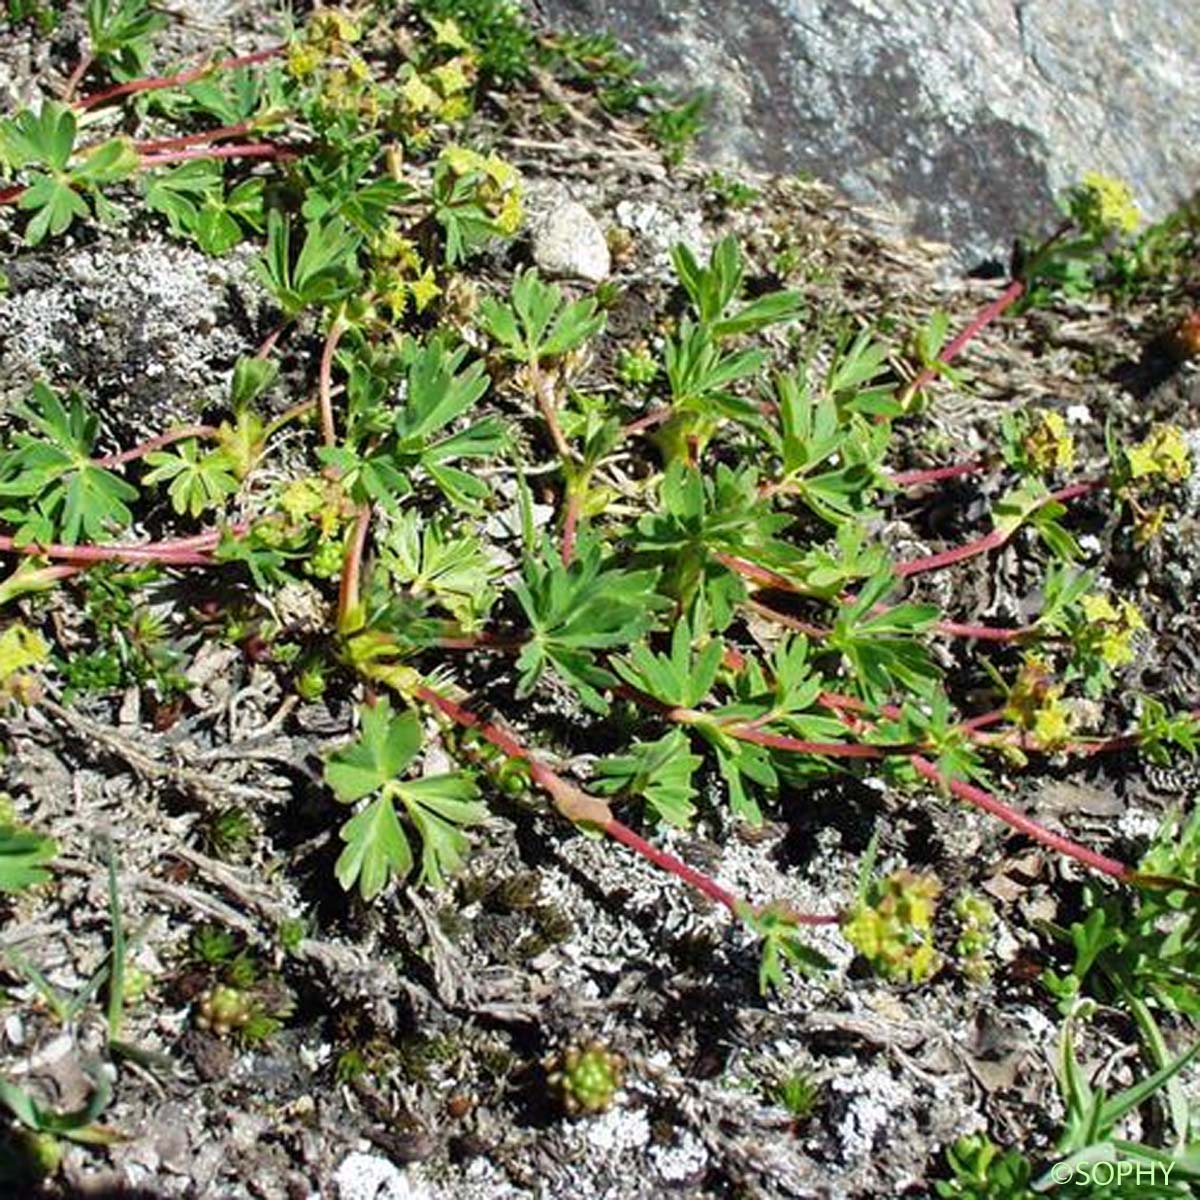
(348, 590)
(574, 803)
(986, 315)
(81, 69)
(990, 541)
(981, 799)
(640, 424)
(907, 479)
(248, 150)
(155, 443)
(166, 553)
(571, 524)
(158, 82)
(154, 145)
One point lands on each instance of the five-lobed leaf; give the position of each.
(385, 747)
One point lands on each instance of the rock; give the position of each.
(968, 119)
(570, 244)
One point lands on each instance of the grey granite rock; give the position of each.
(967, 116)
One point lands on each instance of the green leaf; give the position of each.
(55, 205)
(22, 855)
(109, 162)
(577, 610)
(325, 270)
(438, 805)
(252, 378)
(659, 772)
(538, 325)
(682, 679)
(376, 849)
(45, 138)
(385, 747)
(65, 493)
(197, 482)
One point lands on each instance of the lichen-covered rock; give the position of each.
(968, 119)
(67, 318)
(570, 244)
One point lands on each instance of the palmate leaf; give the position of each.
(65, 493)
(45, 138)
(659, 772)
(438, 392)
(681, 679)
(714, 288)
(577, 610)
(54, 203)
(538, 325)
(427, 558)
(385, 747)
(377, 848)
(881, 649)
(439, 805)
(197, 482)
(325, 269)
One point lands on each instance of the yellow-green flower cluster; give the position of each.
(1163, 454)
(1103, 205)
(1035, 703)
(400, 277)
(1049, 444)
(893, 928)
(497, 186)
(1111, 628)
(328, 35)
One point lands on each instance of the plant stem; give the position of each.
(246, 150)
(192, 554)
(571, 523)
(337, 328)
(158, 82)
(576, 805)
(981, 799)
(155, 443)
(985, 316)
(543, 392)
(287, 416)
(156, 145)
(907, 479)
(350, 585)
(990, 541)
(81, 69)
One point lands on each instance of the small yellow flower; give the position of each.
(1049, 444)
(504, 173)
(302, 60)
(419, 96)
(1052, 723)
(455, 108)
(1111, 628)
(1098, 607)
(450, 78)
(1107, 203)
(508, 219)
(462, 160)
(424, 289)
(447, 33)
(1163, 452)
